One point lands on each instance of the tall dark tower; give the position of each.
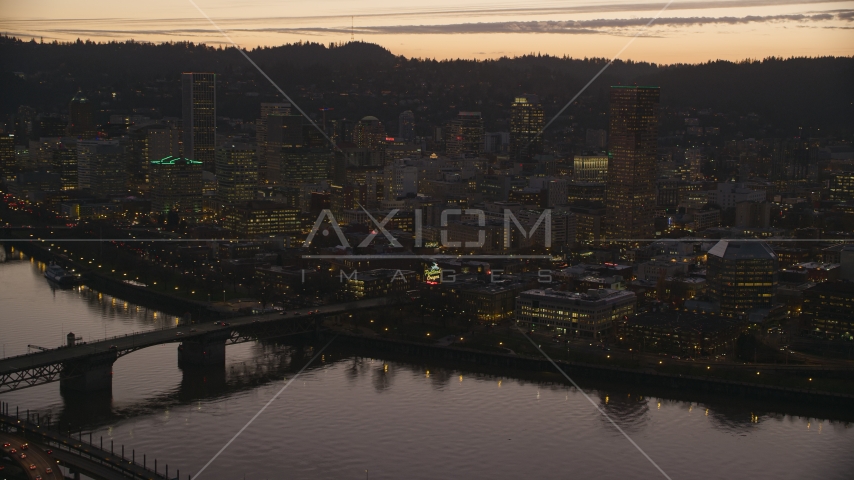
(199, 117)
(406, 126)
(81, 117)
(526, 121)
(630, 186)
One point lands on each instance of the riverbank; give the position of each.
(170, 304)
(585, 371)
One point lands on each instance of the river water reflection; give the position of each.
(396, 419)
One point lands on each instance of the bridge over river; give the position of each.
(89, 366)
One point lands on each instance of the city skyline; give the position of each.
(627, 246)
(687, 32)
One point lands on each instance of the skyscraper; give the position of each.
(630, 186)
(370, 133)
(108, 170)
(8, 163)
(464, 136)
(304, 165)
(590, 168)
(199, 117)
(65, 164)
(236, 173)
(151, 142)
(81, 117)
(102, 166)
(282, 132)
(526, 122)
(406, 126)
(265, 172)
(177, 187)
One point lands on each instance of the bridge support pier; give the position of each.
(206, 351)
(91, 374)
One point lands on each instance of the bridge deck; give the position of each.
(76, 452)
(156, 337)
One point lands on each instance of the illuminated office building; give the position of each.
(102, 167)
(464, 137)
(8, 162)
(149, 143)
(236, 173)
(742, 276)
(267, 109)
(261, 218)
(842, 187)
(630, 185)
(199, 117)
(177, 187)
(370, 133)
(590, 168)
(65, 164)
(283, 132)
(304, 165)
(591, 314)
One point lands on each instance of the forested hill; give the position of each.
(808, 92)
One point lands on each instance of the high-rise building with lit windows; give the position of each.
(199, 117)
(177, 187)
(630, 185)
(8, 162)
(102, 166)
(842, 186)
(64, 162)
(464, 135)
(261, 218)
(526, 122)
(268, 173)
(742, 276)
(370, 133)
(236, 173)
(148, 143)
(590, 168)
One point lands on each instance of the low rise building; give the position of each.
(379, 283)
(679, 332)
(259, 218)
(593, 314)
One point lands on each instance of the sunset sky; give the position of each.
(688, 31)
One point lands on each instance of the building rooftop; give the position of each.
(592, 295)
(837, 287)
(175, 160)
(682, 321)
(742, 250)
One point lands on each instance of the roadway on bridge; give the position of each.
(35, 456)
(156, 337)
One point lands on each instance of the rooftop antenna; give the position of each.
(352, 28)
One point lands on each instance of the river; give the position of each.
(348, 417)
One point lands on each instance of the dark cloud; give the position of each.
(522, 8)
(615, 26)
(598, 26)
